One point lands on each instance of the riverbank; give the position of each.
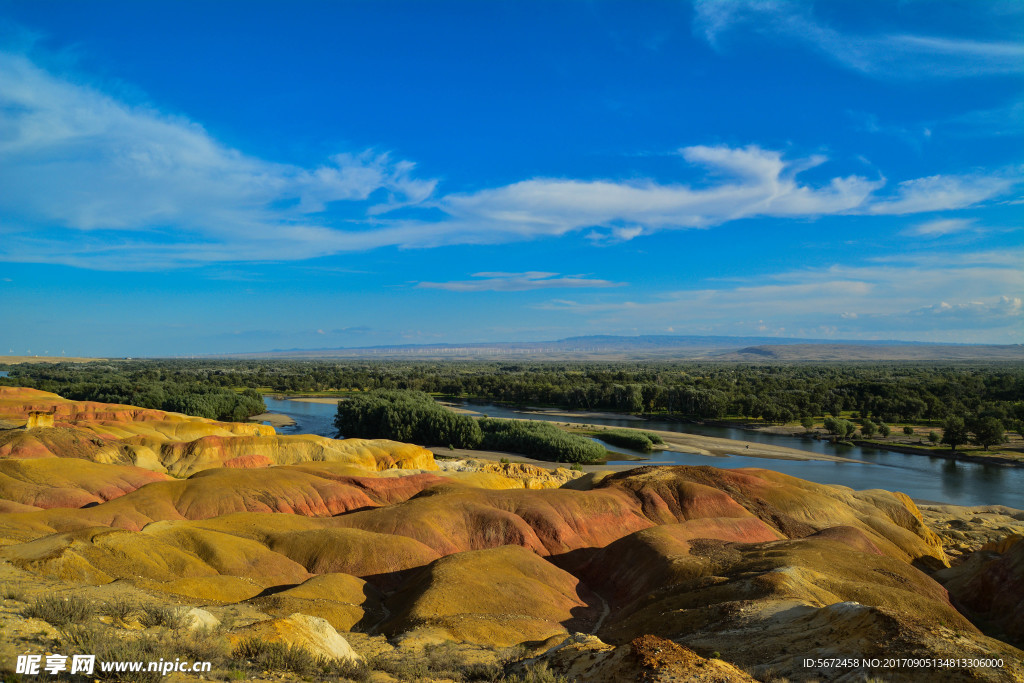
(1012, 457)
(695, 444)
(699, 444)
(1000, 459)
(580, 414)
(313, 399)
(497, 456)
(276, 420)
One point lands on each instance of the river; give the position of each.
(919, 476)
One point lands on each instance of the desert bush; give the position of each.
(173, 617)
(11, 591)
(438, 661)
(275, 656)
(201, 645)
(58, 611)
(121, 608)
(539, 673)
(109, 646)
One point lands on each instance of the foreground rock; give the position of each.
(646, 659)
(301, 630)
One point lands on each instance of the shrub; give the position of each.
(12, 592)
(275, 656)
(121, 608)
(438, 661)
(60, 611)
(109, 646)
(539, 673)
(909, 431)
(541, 440)
(637, 440)
(162, 615)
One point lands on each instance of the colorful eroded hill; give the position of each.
(376, 538)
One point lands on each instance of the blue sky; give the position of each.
(189, 177)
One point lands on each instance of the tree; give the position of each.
(954, 432)
(934, 437)
(807, 423)
(909, 431)
(837, 426)
(850, 428)
(884, 430)
(867, 429)
(988, 431)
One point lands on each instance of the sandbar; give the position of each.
(276, 420)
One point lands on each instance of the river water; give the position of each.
(919, 476)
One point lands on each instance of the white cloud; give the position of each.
(91, 181)
(940, 227)
(518, 282)
(886, 55)
(941, 193)
(952, 297)
(77, 158)
(756, 182)
(972, 312)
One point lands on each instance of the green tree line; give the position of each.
(914, 392)
(415, 417)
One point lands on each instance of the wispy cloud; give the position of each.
(91, 181)
(940, 227)
(518, 282)
(887, 55)
(951, 296)
(941, 193)
(76, 158)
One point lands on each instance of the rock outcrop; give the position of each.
(312, 633)
(989, 586)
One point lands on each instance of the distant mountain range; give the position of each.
(665, 347)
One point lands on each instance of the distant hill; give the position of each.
(851, 351)
(664, 347)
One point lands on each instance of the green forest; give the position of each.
(163, 385)
(908, 392)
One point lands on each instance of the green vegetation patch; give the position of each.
(630, 438)
(415, 417)
(410, 416)
(540, 440)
